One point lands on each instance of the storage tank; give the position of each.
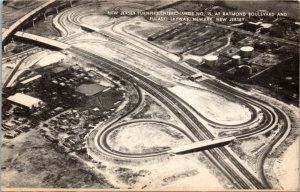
(236, 60)
(211, 60)
(246, 52)
(245, 70)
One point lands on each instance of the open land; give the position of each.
(134, 102)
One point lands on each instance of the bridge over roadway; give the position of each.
(201, 145)
(16, 25)
(41, 40)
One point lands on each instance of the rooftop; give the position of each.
(247, 48)
(24, 100)
(236, 57)
(211, 57)
(31, 79)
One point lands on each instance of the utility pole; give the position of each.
(33, 22)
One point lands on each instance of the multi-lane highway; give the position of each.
(270, 116)
(243, 178)
(222, 157)
(148, 50)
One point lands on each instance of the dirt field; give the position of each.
(286, 168)
(145, 137)
(31, 161)
(208, 104)
(143, 29)
(96, 20)
(181, 173)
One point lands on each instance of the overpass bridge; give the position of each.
(201, 145)
(15, 26)
(52, 43)
(89, 28)
(10, 31)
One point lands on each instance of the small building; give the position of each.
(7, 125)
(195, 76)
(31, 79)
(25, 100)
(11, 134)
(62, 84)
(59, 109)
(251, 26)
(96, 109)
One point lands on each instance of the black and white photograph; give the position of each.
(160, 95)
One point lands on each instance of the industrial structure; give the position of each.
(31, 79)
(26, 101)
(236, 60)
(246, 70)
(246, 52)
(211, 60)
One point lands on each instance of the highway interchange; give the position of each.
(221, 157)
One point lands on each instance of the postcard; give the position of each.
(150, 95)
